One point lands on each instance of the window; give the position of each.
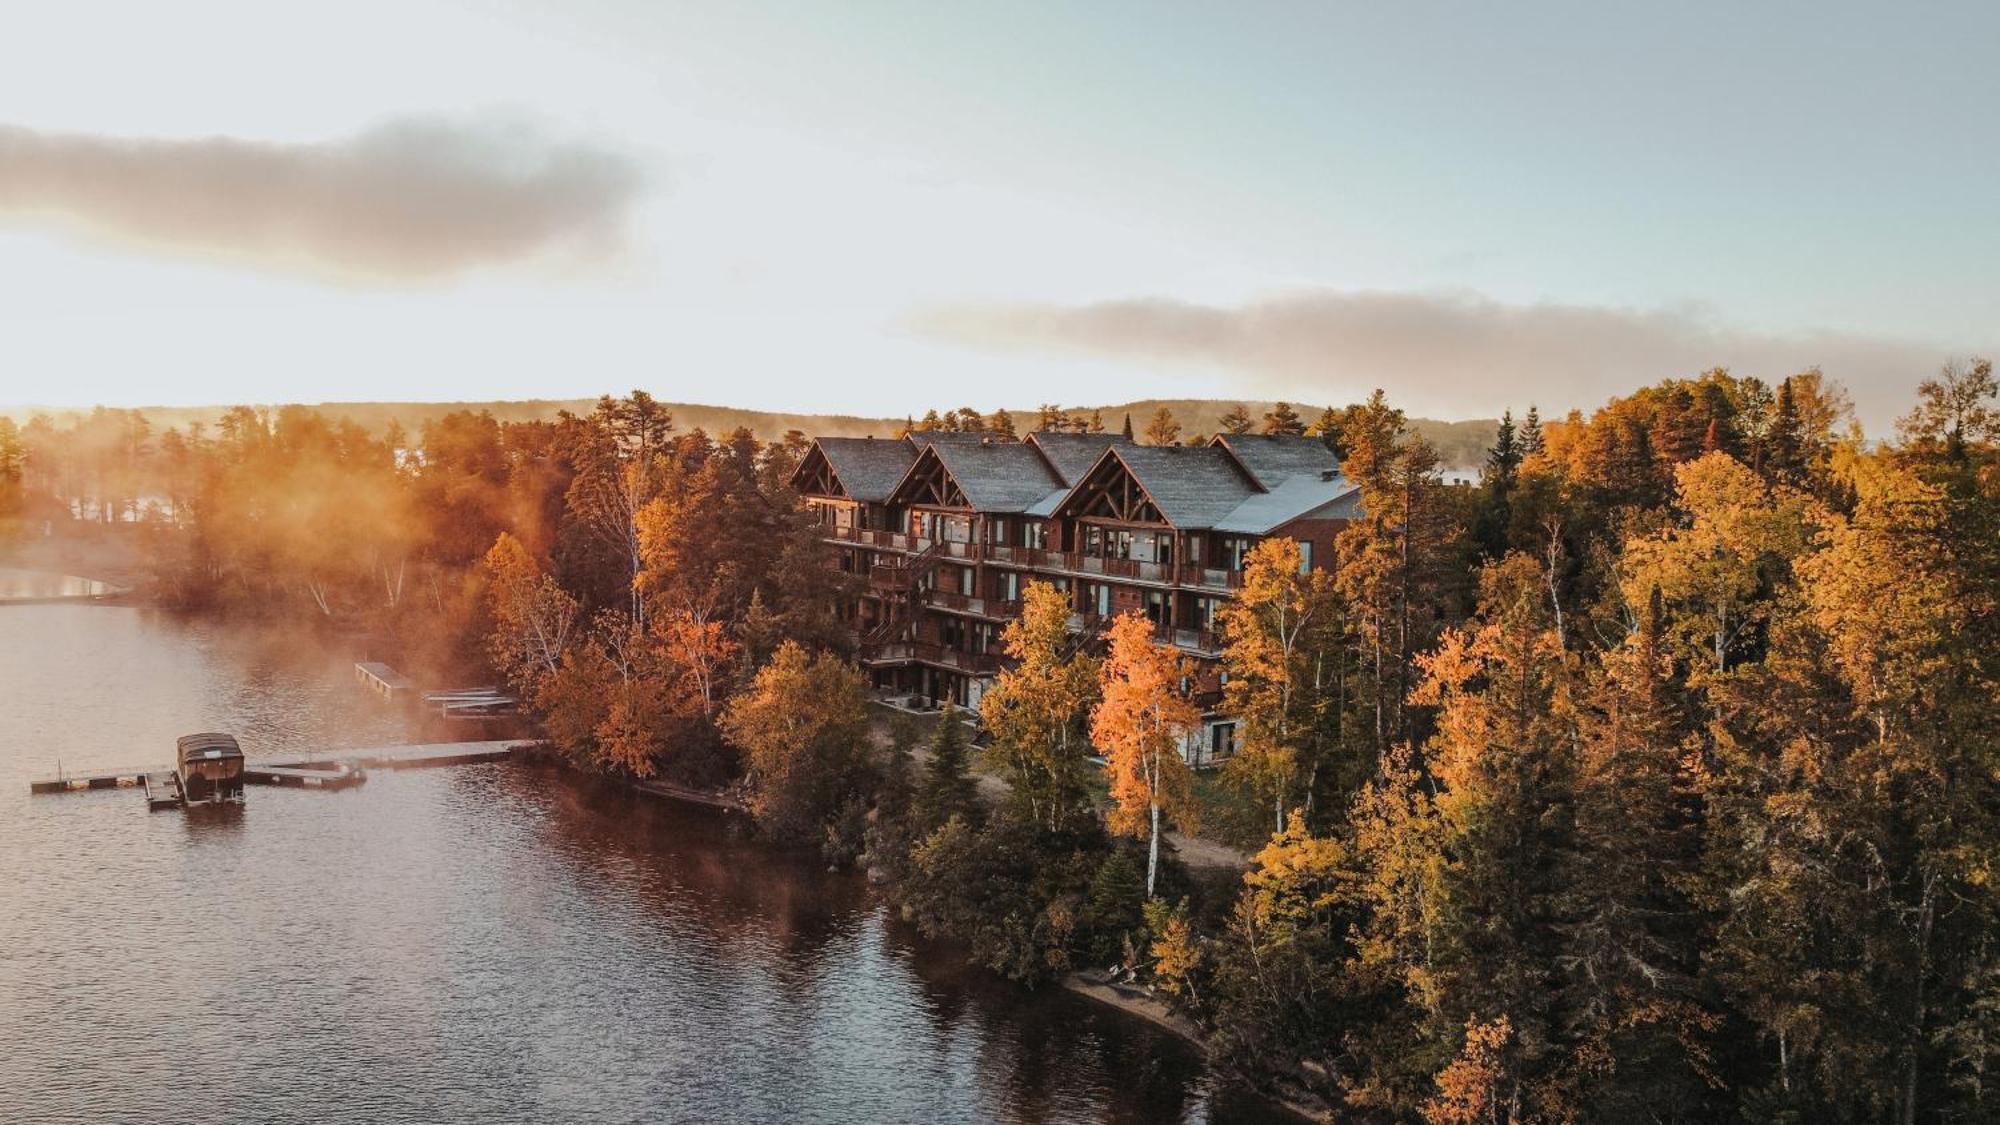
(1305, 555)
(965, 580)
(1234, 548)
(1222, 740)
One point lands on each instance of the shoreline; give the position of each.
(1093, 984)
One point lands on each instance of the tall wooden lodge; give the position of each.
(948, 528)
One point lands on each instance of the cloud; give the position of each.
(1443, 355)
(408, 201)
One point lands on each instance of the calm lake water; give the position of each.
(489, 943)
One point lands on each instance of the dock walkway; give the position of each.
(319, 772)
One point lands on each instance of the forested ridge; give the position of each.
(1652, 778)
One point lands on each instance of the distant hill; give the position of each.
(1460, 444)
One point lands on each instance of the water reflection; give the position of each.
(488, 943)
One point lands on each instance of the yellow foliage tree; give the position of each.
(1035, 710)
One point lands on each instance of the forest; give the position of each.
(1653, 777)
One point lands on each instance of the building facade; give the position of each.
(948, 528)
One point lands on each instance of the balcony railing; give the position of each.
(994, 608)
(1038, 558)
(976, 663)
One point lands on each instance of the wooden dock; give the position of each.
(336, 776)
(342, 769)
(163, 790)
(382, 679)
(472, 703)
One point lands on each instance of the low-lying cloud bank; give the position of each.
(1441, 355)
(408, 201)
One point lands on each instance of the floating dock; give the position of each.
(338, 776)
(382, 679)
(163, 790)
(472, 703)
(339, 770)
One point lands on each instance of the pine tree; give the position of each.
(1531, 440)
(1784, 444)
(947, 789)
(1163, 429)
(1236, 420)
(1631, 1002)
(1501, 760)
(1327, 429)
(1505, 454)
(1002, 424)
(1282, 419)
(1127, 431)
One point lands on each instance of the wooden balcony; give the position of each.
(926, 652)
(994, 609)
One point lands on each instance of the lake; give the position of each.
(490, 943)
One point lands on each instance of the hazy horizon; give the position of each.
(844, 210)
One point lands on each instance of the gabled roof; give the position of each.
(999, 476)
(1190, 488)
(867, 468)
(1074, 454)
(1274, 458)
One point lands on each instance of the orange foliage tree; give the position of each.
(1140, 727)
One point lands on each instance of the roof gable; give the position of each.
(1072, 455)
(1188, 488)
(863, 469)
(1005, 477)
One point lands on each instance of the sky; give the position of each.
(881, 207)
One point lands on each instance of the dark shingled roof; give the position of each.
(868, 468)
(1193, 488)
(1272, 458)
(923, 438)
(1074, 454)
(1000, 477)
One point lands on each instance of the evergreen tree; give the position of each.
(1531, 440)
(1327, 429)
(1127, 431)
(1282, 419)
(1236, 420)
(1164, 429)
(948, 789)
(1633, 1010)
